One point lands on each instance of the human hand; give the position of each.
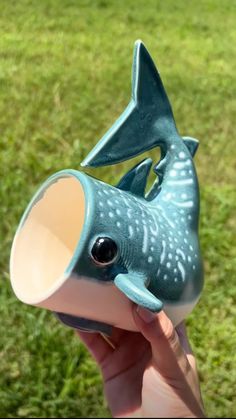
(150, 373)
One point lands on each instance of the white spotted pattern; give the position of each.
(163, 253)
(186, 204)
(153, 225)
(145, 240)
(182, 155)
(181, 253)
(182, 270)
(131, 231)
(180, 182)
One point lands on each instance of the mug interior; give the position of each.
(47, 238)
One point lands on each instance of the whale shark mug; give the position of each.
(87, 250)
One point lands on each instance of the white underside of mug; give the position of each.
(92, 299)
(178, 312)
(103, 302)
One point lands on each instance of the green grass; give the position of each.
(65, 70)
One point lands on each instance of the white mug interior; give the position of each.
(42, 249)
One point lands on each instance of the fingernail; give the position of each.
(146, 315)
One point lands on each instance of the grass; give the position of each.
(64, 78)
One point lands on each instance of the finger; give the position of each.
(168, 355)
(117, 336)
(184, 341)
(97, 345)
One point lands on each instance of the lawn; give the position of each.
(65, 70)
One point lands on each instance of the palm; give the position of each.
(141, 379)
(122, 369)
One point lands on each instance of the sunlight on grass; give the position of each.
(64, 78)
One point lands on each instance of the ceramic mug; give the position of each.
(88, 250)
(51, 264)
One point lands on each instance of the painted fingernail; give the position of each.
(146, 315)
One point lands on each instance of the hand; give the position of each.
(150, 373)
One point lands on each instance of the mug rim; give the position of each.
(89, 209)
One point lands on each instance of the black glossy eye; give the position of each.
(104, 250)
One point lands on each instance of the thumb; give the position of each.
(169, 358)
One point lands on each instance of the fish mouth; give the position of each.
(47, 238)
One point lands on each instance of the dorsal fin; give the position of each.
(192, 144)
(135, 180)
(147, 121)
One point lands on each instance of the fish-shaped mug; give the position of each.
(88, 250)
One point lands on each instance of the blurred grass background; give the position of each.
(65, 70)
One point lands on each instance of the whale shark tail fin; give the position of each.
(147, 121)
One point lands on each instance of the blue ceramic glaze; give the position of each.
(158, 260)
(152, 252)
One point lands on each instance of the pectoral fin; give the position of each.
(133, 286)
(136, 179)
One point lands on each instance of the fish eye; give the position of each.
(104, 251)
